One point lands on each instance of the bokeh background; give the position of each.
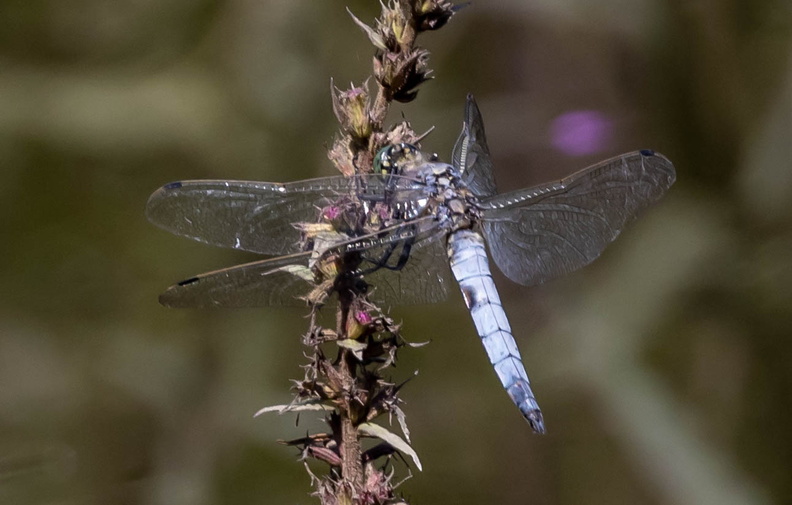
(663, 369)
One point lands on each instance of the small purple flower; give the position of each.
(363, 317)
(354, 94)
(331, 212)
(384, 212)
(581, 132)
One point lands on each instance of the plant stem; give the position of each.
(353, 384)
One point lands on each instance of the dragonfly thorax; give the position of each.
(453, 202)
(447, 195)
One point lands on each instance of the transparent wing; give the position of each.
(404, 264)
(423, 279)
(258, 216)
(282, 280)
(539, 233)
(277, 281)
(471, 155)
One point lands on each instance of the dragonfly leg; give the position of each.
(382, 261)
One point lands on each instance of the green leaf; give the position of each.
(352, 344)
(395, 441)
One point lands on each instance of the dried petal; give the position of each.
(402, 133)
(409, 75)
(309, 405)
(373, 35)
(342, 156)
(329, 456)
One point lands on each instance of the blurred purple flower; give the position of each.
(581, 132)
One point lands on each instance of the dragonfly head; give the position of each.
(395, 158)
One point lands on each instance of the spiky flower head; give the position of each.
(351, 108)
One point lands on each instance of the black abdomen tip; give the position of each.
(536, 421)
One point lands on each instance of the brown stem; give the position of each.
(380, 109)
(351, 458)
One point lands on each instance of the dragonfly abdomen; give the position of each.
(468, 259)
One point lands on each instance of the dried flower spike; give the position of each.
(351, 108)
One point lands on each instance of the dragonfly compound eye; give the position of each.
(393, 158)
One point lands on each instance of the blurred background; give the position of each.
(663, 369)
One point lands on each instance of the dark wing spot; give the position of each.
(188, 281)
(647, 152)
(173, 185)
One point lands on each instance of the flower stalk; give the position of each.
(345, 376)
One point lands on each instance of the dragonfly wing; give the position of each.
(471, 155)
(277, 281)
(404, 264)
(258, 216)
(284, 280)
(539, 233)
(422, 279)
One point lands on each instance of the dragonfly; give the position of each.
(408, 219)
